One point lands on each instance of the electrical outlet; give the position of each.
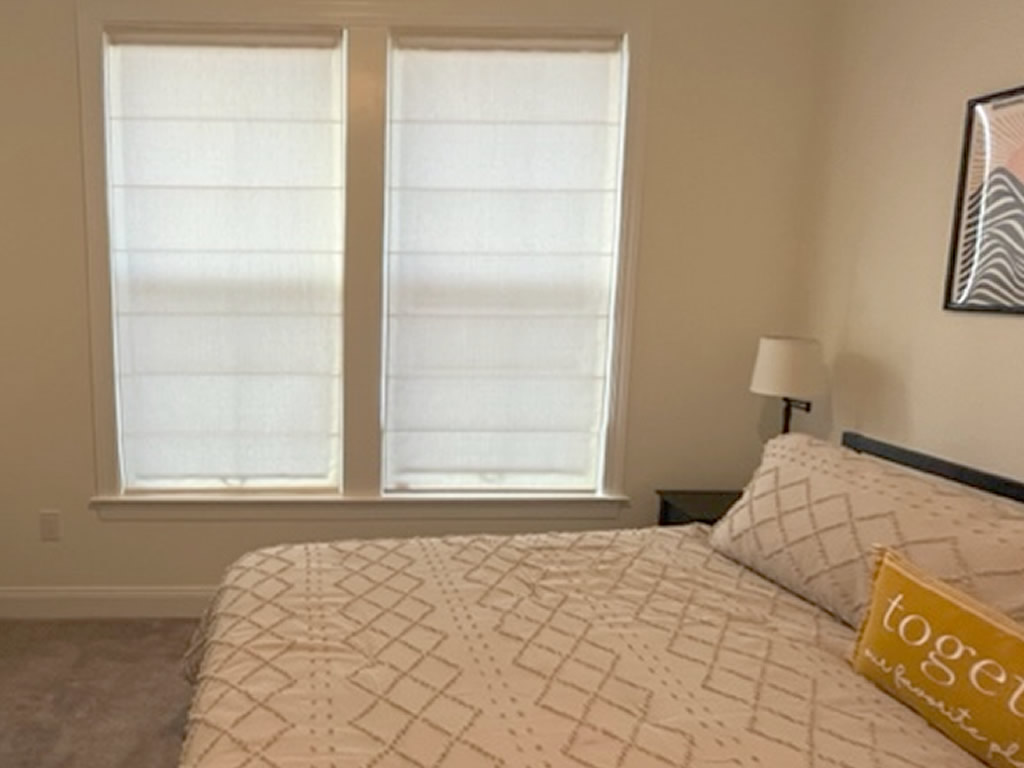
(49, 525)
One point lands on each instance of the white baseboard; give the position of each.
(68, 602)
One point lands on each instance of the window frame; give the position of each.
(367, 28)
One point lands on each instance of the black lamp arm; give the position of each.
(789, 403)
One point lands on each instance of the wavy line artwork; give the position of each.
(987, 254)
(990, 271)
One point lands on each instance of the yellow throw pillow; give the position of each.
(957, 662)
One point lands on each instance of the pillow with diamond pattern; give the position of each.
(813, 511)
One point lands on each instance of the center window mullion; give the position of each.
(364, 247)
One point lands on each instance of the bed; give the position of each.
(624, 648)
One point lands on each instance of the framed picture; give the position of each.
(986, 258)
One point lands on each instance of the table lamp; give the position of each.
(791, 368)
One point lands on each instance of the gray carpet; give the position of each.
(92, 694)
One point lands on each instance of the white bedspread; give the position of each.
(612, 649)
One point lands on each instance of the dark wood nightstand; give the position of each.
(684, 507)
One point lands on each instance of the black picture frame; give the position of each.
(985, 270)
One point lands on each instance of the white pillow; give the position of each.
(813, 510)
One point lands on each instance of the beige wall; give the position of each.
(721, 236)
(904, 369)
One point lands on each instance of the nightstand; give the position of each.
(684, 507)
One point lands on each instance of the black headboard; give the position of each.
(975, 478)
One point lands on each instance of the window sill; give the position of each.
(328, 507)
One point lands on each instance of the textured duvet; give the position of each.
(635, 648)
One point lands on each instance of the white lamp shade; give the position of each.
(789, 367)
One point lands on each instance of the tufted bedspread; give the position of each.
(631, 649)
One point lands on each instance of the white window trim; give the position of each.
(369, 23)
(207, 507)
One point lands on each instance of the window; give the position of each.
(502, 213)
(363, 263)
(225, 195)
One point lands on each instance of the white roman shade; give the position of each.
(225, 170)
(503, 214)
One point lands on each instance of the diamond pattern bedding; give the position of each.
(614, 649)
